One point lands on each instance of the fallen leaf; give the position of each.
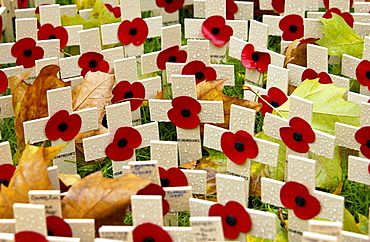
(349, 223)
(212, 91)
(95, 90)
(363, 224)
(100, 198)
(69, 179)
(189, 166)
(33, 104)
(258, 170)
(31, 174)
(18, 87)
(338, 190)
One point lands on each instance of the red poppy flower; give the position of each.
(312, 74)
(134, 32)
(6, 173)
(363, 73)
(29, 236)
(26, 52)
(3, 81)
(170, 6)
(62, 125)
(231, 9)
(200, 70)
(296, 196)
(22, 4)
(124, 90)
(48, 31)
(278, 5)
(255, 59)
(173, 177)
(275, 97)
(292, 27)
(115, 10)
(171, 54)
(235, 218)
(362, 136)
(345, 15)
(92, 61)
(184, 112)
(1, 27)
(58, 227)
(298, 135)
(239, 146)
(215, 29)
(326, 3)
(125, 140)
(150, 232)
(154, 189)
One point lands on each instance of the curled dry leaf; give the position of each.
(18, 87)
(100, 198)
(31, 174)
(33, 103)
(212, 91)
(297, 55)
(94, 91)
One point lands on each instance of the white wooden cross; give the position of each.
(69, 10)
(60, 101)
(145, 209)
(168, 18)
(324, 144)
(302, 170)
(351, 65)
(206, 228)
(241, 120)
(358, 167)
(110, 32)
(290, 7)
(7, 15)
(189, 139)
(89, 40)
(193, 27)
(126, 70)
(118, 117)
(258, 39)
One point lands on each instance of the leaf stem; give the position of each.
(246, 87)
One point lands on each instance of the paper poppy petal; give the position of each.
(309, 210)
(325, 78)
(265, 108)
(231, 6)
(132, 136)
(244, 223)
(192, 67)
(246, 56)
(224, 31)
(363, 135)
(286, 134)
(348, 18)
(152, 189)
(174, 52)
(361, 72)
(29, 236)
(251, 148)
(277, 95)
(125, 89)
(142, 31)
(278, 5)
(288, 20)
(263, 62)
(85, 58)
(58, 227)
(187, 102)
(174, 175)
(21, 45)
(229, 140)
(289, 191)
(309, 74)
(104, 66)
(304, 128)
(116, 153)
(365, 151)
(180, 121)
(170, 7)
(51, 128)
(6, 172)
(74, 123)
(210, 74)
(3, 81)
(145, 231)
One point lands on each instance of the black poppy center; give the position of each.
(169, 1)
(4, 182)
(215, 30)
(199, 75)
(185, 112)
(104, 122)
(62, 127)
(27, 52)
(368, 74)
(52, 37)
(255, 56)
(239, 146)
(93, 63)
(165, 182)
(50, 233)
(368, 143)
(148, 239)
(230, 220)
(122, 143)
(293, 28)
(297, 136)
(132, 31)
(300, 201)
(274, 103)
(128, 94)
(172, 58)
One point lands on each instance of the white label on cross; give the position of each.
(207, 228)
(232, 188)
(199, 207)
(145, 169)
(317, 58)
(178, 198)
(51, 200)
(123, 233)
(358, 170)
(5, 153)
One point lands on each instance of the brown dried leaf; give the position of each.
(18, 87)
(94, 91)
(33, 104)
(100, 198)
(212, 91)
(69, 179)
(297, 55)
(31, 174)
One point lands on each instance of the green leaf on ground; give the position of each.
(329, 106)
(363, 224)
(339, 38)
(349, 223)
(100, 15)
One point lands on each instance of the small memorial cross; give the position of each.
(61, 126)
